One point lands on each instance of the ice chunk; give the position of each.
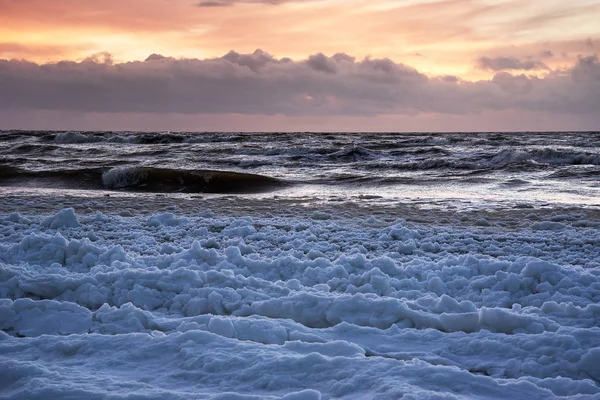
(336, 348)
(320, 215)
(590, 363)
(65, 218)
(303, 395)
(222, 327)
(28, 317)
(166, 219)
(548, 226)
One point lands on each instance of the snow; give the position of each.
(310, 304)
(64, 218)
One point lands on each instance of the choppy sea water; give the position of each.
(558, 167)
(299, 266)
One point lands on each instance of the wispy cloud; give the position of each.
(225, 3)
(510, 63)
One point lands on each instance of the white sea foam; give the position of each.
(121, 177)
(297, 307)
(74, 137)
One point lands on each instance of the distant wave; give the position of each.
(77, 137)
(453, 151)
(74, 137)
(28, 148)
(584, 172)
(355, 153)
(544, 156)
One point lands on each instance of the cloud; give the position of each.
(225, 3)
(156, 57)
(260, 84)
(44, 51)
(510, 63)
(213, 4)
(102, 58)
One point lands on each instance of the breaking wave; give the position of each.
(197, 162)
(187, 181)
(142, 179)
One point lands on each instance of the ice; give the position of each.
(308, 304)
(221, 326)
(167, 219)
(589, 364)
(26, 317)
(65, 218)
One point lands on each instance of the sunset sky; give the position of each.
(411, 65)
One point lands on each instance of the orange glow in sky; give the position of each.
(436, 37)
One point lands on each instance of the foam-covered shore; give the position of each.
(248, 298)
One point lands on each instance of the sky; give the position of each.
(300, 65)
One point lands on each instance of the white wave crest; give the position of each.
(121, 177)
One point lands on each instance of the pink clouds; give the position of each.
(260, 84)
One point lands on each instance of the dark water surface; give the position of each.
(544, 166)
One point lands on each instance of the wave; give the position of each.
(515, 182)
(75, 137)
(355, 153)
(142, 179)
(508, 160)
(420, 151)
(113, 160)
(8, 171)
(83, 178)
(350, 180)
(187, 181)
(436, 163)
(31, 148)
(545, 156)
(448, 151)
(583, 172)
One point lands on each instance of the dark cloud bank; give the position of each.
(261, 84)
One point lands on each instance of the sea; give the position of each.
(299, 266)
(521, 166)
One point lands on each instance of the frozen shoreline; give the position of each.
(263, 297)
(510, 214)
